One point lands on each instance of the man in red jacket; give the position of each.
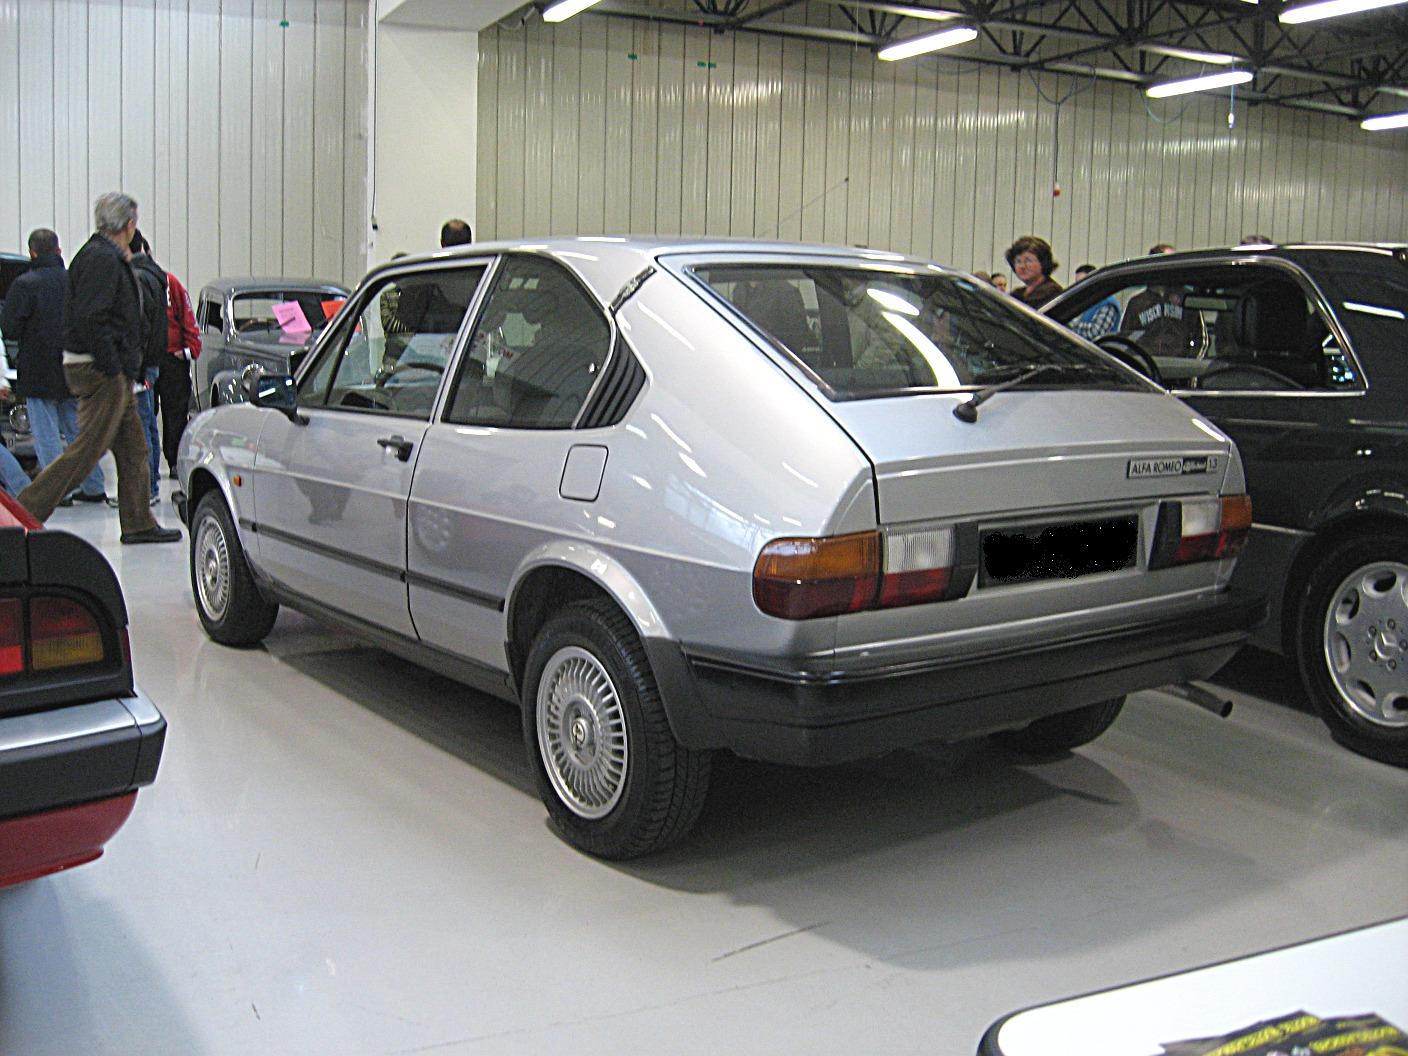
(173, 382)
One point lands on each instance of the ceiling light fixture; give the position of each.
(1198, 84)
(1294, 16)
(1385, 121)
(565, 9)
(945, 38)
(1213, 58)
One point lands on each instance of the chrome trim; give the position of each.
(1299, 532)
(18, 732)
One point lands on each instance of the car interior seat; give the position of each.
(1271, 330)
(777, 307)
(546, 383)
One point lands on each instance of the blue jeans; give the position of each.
(146, 411)
(13, 478)
(55, 424)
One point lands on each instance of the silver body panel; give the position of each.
(728, 446)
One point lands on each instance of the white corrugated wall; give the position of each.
(242, 139)
(608, 125)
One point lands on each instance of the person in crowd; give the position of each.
(455, 233)
(999, 280)
(1159, 249)
(102, 359)
(984, 276)
(151, 283)
(1257, 240)
(13, 478)
(1030, 259)
(173, 381)
(1102, 317)
(34, 318)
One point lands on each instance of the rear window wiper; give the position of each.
(967, 411)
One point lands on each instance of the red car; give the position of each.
(77, 739)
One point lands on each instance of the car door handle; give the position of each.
(398, 445)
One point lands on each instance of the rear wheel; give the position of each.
(615, 781)
(1061, 733)
(229, 604)
(1353, 636)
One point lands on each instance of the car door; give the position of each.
(331, 488)
(503, 469)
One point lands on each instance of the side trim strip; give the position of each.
(390, 571)
(474, 597)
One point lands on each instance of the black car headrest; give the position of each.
(1271, 317)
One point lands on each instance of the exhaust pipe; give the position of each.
(1196, 694)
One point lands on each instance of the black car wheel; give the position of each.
(228, 601)
(1060, 733)
(1353, 624)
(615, 781)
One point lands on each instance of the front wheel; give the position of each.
(229, 604)
(1061, 733)
(1353, 637)
(615, 781)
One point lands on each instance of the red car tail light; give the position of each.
(1201, 530)
(63, 633)
(11, 636)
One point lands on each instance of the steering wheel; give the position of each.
(383, 376)
(1129, 352)
(1246, 370)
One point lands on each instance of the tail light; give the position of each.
(1201, 530)
(802, 578)
(48, 633)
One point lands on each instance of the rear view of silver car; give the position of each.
(799, 503)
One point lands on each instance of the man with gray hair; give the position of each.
(102, 358)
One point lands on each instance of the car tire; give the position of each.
(228, 601)
(1353, 645)
(615, 781)
(1060, 733)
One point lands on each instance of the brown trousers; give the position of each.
(107, 421)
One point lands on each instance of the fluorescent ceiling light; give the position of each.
(1332, 9)
(1374, 309)
(565, 9)
(1198, 84)
(1215, 58)
(1383, 121)
(944, 38)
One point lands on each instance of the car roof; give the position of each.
(250, 283)
(607, 262)
(1288, 249)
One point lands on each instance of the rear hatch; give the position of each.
(1053, 476)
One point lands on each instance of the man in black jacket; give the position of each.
(34, 317)
(102, 359)
(151, 283)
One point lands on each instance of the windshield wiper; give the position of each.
(967, 411)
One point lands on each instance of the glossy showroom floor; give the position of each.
(343, 855)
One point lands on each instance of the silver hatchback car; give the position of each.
(802, 503)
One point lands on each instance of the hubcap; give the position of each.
(1366, 639)
(582, 733)
(212, 568)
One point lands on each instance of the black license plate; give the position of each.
(1058, 551)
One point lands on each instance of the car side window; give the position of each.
(210, 317)
(537, 349)
(392, 358)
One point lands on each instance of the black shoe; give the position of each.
(83, 496)
(157, 534)
(67, 500)
(172, 475)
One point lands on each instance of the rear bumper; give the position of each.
(65, 775)
(819, 719)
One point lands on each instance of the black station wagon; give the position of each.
(1300, 353)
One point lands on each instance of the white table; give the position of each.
(1355, 972)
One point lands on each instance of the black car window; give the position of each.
(870, 333)
(1242, 328)
(390, 360)
(1370, 300)
(10, 270)
(537, 349)
(211, 317)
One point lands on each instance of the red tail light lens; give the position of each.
(64, 633)
(1236, 524)
(1201, 530)
(11, 637)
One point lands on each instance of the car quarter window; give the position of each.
(391, 359)
(210, 316)
(537, 348)
(1243, 328)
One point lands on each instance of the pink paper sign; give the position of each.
(291, 318)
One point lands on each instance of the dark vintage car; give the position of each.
(77, 738)
(1300, 353)
(14, 420)
(239, 326)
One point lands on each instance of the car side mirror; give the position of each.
(277, 392)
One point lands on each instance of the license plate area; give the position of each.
(1067, 550)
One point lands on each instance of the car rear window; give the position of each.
(868, 332)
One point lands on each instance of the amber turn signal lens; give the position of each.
(797, 579)
(63, 634)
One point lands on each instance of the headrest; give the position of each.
(778, 308)
(1271, 317)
